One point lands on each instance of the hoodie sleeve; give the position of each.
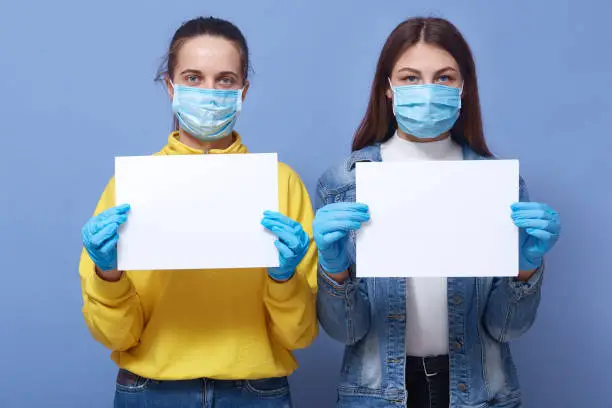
(112, 310)
(291, 305)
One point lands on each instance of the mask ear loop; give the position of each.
(392, 90)
(239, 101)
(166, 77)
(460, 99)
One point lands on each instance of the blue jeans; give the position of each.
(133, 391)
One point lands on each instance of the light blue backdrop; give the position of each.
(77, 90)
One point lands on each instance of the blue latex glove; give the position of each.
(331, 226)
(292, 243)
(100, 236)
(539, 231)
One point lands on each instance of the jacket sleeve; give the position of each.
(512, 305)
(343, 309)
(291, 305)
(112, 310)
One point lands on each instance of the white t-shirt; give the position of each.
(426, 298)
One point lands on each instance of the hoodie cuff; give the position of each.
(283, 291)
(108, 292)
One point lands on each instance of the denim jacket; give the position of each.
(369, 316)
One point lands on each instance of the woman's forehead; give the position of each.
(206, 53)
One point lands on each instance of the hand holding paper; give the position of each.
(292, 243)
(539, 231)
(100, 236)
(331, 226)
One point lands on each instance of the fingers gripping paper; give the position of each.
(196, 212)
(438, 219)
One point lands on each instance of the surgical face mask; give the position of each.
(426, 111)
(206, 114)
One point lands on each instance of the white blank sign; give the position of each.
(438, 219)
(196, 211)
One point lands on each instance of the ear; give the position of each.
(389, 88)
(245, 89)
(169, 87)
(389, 93)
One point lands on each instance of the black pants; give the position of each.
(427, 382)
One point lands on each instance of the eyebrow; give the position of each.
(191, 71)
(416, 71)
(198, 72)
(228, 73)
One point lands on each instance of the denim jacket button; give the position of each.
(457, 300)
(457, 345)
(462, 387)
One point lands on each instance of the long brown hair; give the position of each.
(379, 124)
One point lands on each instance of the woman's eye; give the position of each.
(192, 79)
(444, 78)
(226, 81)
(412, 78)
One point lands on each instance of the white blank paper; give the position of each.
(196, 211)
(438, 219)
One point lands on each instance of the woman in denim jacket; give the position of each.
(424, 342)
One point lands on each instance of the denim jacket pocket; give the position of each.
(268, 387)
(130, 382)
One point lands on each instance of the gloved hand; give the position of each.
(331, 226)
(292, 243)
(100, 236)
(539, 231)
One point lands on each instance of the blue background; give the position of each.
(77, 90)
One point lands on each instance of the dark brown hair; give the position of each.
(195, 28)
(379, 124)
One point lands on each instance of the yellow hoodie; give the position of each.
(220, 324)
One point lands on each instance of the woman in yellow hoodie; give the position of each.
(214, 338)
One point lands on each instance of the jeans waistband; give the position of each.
(427, 365)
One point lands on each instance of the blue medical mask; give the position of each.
(206, 114)
(426, 111)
